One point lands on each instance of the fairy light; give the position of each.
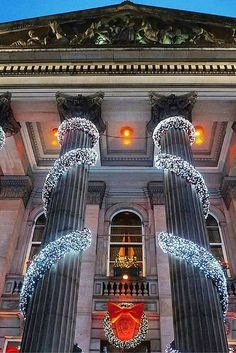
(173, 245)
(77, 240)
(2, 138)
(49, 256)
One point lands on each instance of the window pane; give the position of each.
(126, 230)
(213, 235)
(126, 250)
(41, 220)
(217, 252)
(38, 233)
(126, 217)
(211, 221)
(34, 251)
(126, 238)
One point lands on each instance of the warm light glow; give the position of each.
(55, 131)
(126, 131)
(54, 143)
(199, 133)
(199, 140)
(125, 276)
(126, 142)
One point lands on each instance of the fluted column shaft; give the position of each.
(198, 320)
(50, 323)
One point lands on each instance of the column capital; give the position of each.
(15, 187)
(234, 126)
(164, 107)
(88, 107)
(96, 192)
(228, 188)
(7, 121)
(156, 192)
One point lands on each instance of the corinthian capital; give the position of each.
(7, 120)
(88, 107)
(164, 107)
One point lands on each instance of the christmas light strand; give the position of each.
(184, 249)
(176, 122)
(62, 165)
(200, 258)
(49, 256)
(132, 343)
(79, 124)
(2, 138)
(182, 168)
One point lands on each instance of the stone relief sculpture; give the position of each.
(123, 29)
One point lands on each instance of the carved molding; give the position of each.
(15, 187)
(125, 68)
(96, 192)
(88, 107)
(167, 106)
(7, 120)
(156, 192)
(228, 189)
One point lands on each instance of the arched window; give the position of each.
(126, 245)
(215, 239)
(37, 237)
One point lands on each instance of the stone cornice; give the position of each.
(156, 192)
(228, 188)
(126, 68)
(15, 187)
(96, 192)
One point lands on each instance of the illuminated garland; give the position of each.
(49, 256)
(112, 339)
(176, 122)
(182, 168)
(80, 124)
(2, 138)
(62, 165)
(200, 258)
(176, 246)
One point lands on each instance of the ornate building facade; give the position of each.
(125, 69)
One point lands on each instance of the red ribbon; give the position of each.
(116, 312)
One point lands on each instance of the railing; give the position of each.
(134, 288)
(125, 288)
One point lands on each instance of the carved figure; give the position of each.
(201, 35)
(57, 35)
(32, 40)
(149, 34)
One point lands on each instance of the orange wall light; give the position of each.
(199, 132)
(126, 131)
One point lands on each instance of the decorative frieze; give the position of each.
(156, 192)
(15, 187)
(228, 189)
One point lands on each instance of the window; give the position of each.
(126, 244)
(36, 238)
(215, 240)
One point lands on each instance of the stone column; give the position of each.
(51, 315)
(156, 192)
(96, 192)
(198, 319)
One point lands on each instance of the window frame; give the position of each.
(132, 243)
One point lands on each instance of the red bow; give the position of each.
(135, 312)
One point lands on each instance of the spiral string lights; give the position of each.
(174, 245)
(75, 241)
(2, 138)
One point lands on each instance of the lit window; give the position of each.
(36, 238)
(126, 245)
(215, 240)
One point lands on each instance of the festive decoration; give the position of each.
(184, 249)
(62, 165)
(176, 122)
(2, 138)
(125, 262)
(128, 321)
(78, 124)
(200, 258)
(49, 256)
(182, 168)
